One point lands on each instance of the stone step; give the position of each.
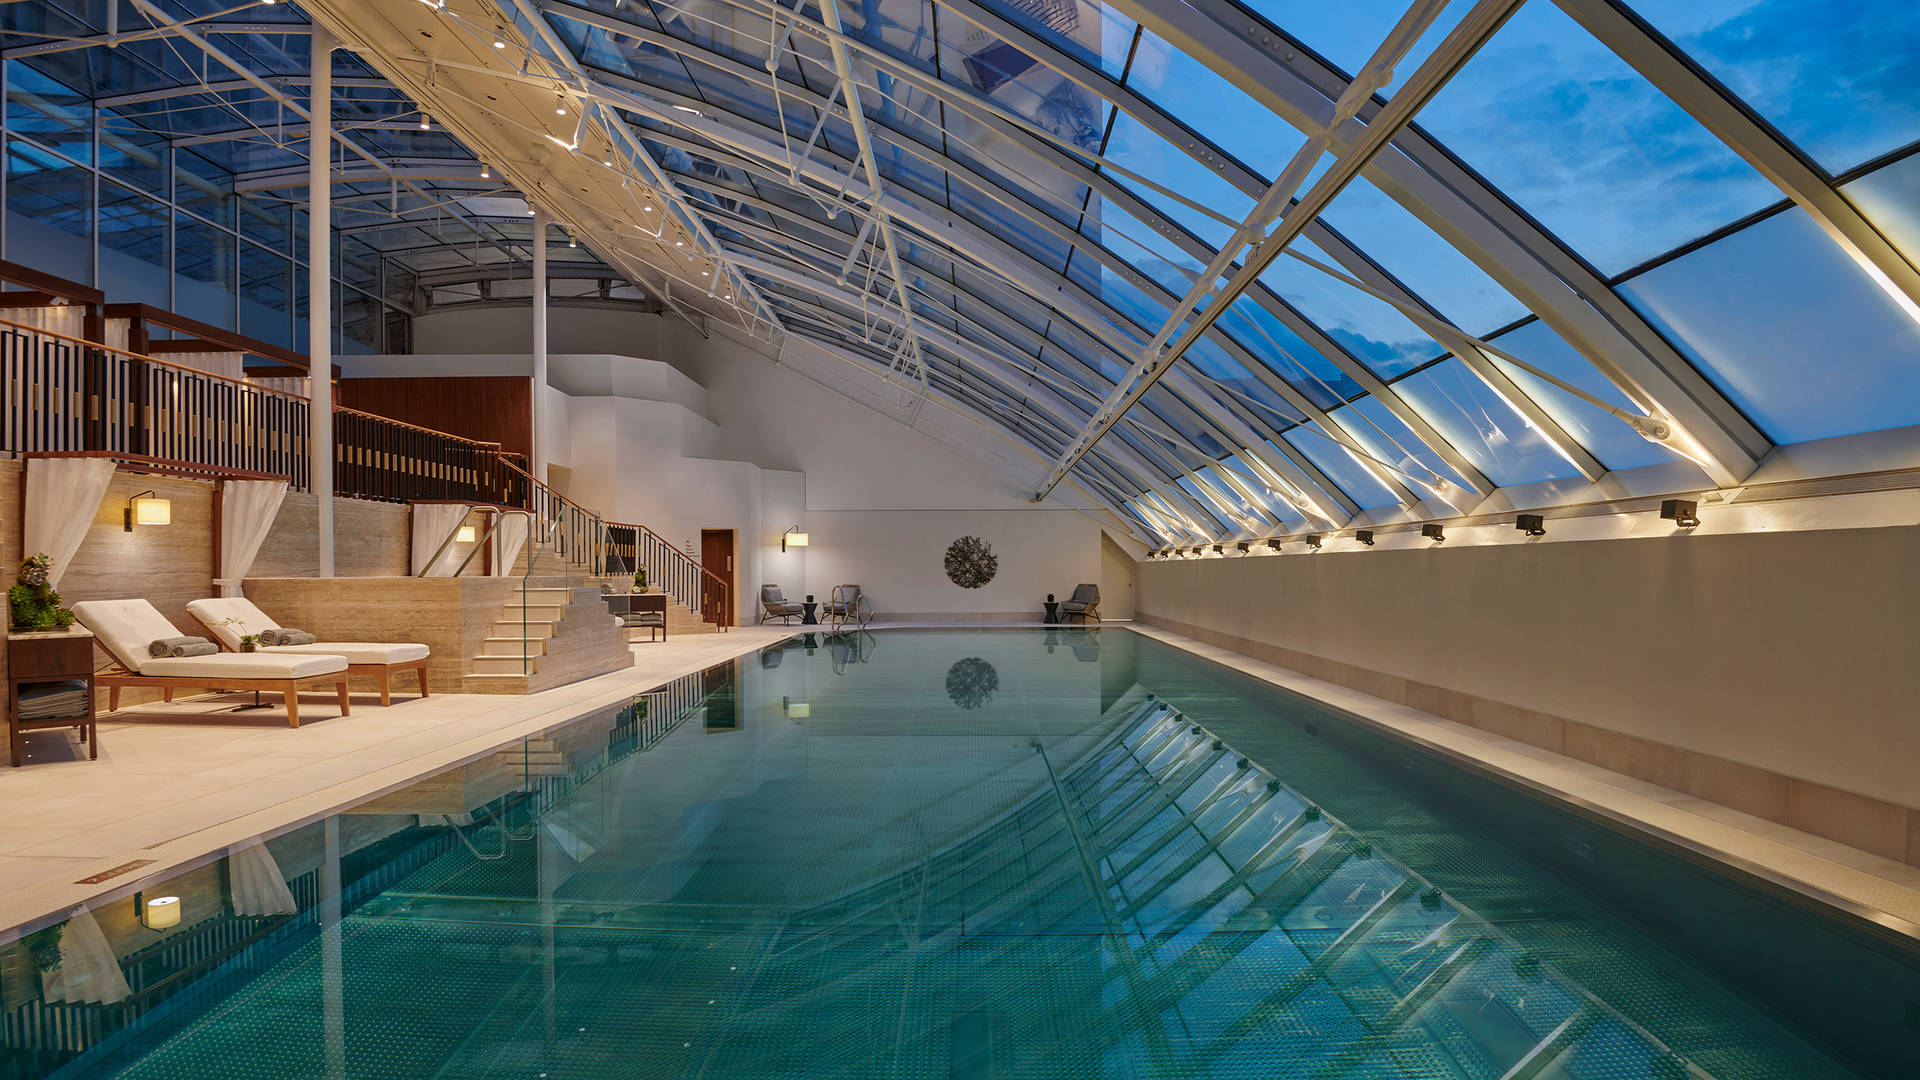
(540, 595)
(482, 682)
(534, 613)
(514, 628)
(485, 664)
(513, 646)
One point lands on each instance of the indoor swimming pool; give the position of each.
(978, 854)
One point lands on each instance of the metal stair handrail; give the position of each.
(681, 575)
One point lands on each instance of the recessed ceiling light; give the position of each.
(499, 38)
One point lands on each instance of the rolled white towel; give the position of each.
(286, 636)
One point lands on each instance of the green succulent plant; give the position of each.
(33, 602)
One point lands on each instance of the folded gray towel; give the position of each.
(285, 636)
(165, 646)
(197, 648)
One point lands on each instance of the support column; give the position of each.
(537, 460)
(320, 293)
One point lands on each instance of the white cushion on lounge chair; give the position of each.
(255, 665)
(358, 652)
(126, 627)
(229, 617)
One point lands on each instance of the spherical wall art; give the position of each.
(970, 562)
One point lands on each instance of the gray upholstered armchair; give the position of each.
(773, 605)
(848, 604)
(1084, 604)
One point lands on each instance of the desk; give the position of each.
(641, 609)
(50, 656)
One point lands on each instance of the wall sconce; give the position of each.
(159, 913)
(1682, 512)
(793, 536)
(1364, 536)
(1434, 531)
(465, 535)
(1531, 524)
(795, 710)
(147, 508)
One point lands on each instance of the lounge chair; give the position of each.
(1084, 604)
(774, 605)
(847, 604)
(126, 627)
(231, 617)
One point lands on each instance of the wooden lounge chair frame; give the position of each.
(118, 676)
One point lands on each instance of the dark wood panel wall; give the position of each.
(491, 408)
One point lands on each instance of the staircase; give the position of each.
(550, 631)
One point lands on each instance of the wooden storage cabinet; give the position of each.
(50, 656)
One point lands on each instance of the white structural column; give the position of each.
(320, 294)
(537, 460)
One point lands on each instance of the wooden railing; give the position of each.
(678, 574)
(564, 535)
(66, 394)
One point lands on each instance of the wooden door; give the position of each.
(716, 554)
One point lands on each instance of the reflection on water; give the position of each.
(971, 682)
(826, 866)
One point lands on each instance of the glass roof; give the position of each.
(1565, 239)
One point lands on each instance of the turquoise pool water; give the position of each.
(988, 854)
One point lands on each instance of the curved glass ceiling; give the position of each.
(1588, 219)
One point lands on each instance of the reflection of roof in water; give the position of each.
(1234, 922)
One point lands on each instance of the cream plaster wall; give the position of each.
(1791, 652)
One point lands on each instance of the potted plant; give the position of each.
(32, 602)
(640, 580)
(249, 642)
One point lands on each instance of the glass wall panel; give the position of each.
(1482, 425)
(1384, 339)
(1341, 467)
(359, 322)
(1605, 435)
(131, 152)
(266, 297)
(265, 220)
(1839, 79)
(1415, 255)
(203, 268)
(1132, 145)
(1571, 133)
(1796, 334)
(48, 111)
(203, 187)
(1890, 197)
(1388, 440)
(1219, 111)
(133, 246)
(49, 212)
(359, 265)
(1348, 32)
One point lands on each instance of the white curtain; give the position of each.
(508, 539)
(247, 510)
(257, 885)
(88, 970)
(63, 495)
(431, 524)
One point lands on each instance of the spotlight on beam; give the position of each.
(1531, 524)
(1243, 546)
(1434, 531)
(1274, 543)
(1313, 540)
(1364, 536)
(1682, 512)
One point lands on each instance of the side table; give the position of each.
(50, 656)
(810, 619)
(1053, 611)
